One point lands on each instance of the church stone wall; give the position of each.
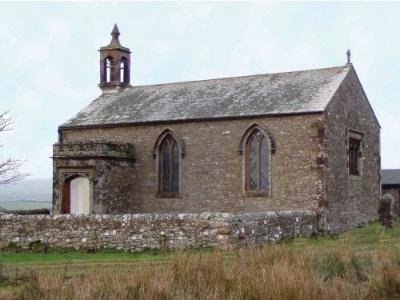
(213, 169)
(156, 231)
(350, 200)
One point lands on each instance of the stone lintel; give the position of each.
(88, 150)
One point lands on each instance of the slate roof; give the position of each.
(257, 95)
(390, 177)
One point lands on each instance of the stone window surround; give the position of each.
(156, 155)
(243, 149)
(355, 134)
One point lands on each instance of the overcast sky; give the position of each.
(49, 59)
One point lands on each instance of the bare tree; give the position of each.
(9, 168)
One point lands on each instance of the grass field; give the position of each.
(361, 264)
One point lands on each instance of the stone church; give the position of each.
(302, 140)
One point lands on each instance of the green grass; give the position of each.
(80, 260)
(11, 257)
(371, 237)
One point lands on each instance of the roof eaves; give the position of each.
(65, 126)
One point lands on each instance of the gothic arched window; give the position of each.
(257, 147)
(168, 165)
(107, 69)
(123, 71)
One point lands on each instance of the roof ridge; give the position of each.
(234, 77)
(294, 92)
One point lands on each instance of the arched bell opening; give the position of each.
(124, 71)
(107, 75)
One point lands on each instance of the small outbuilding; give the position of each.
(390, 179)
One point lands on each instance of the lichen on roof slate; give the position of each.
(257, 95)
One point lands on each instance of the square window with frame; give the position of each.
(355, 153)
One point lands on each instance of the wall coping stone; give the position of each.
(168, 216)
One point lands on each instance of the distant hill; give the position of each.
(24, 205)
(27, 190)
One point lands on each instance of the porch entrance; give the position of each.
(77, 196)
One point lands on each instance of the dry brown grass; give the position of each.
(273, 272)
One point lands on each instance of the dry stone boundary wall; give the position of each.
(136, 232)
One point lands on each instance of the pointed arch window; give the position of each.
(257, 147)
(169, 154)
(257, 162)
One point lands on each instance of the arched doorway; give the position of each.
(77, 196)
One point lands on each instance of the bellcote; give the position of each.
(115, 64)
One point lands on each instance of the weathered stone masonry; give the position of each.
(157, 231)
(106, 165)
(350, 200)
(212, 168)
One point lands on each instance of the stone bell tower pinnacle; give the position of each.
(115, 63)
